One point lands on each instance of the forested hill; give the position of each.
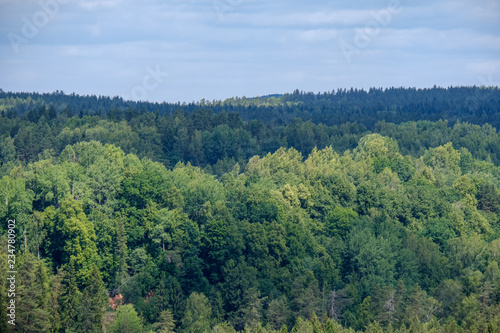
(217, 135)
(252, 215)
(476, 105)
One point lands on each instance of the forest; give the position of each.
(345, 211)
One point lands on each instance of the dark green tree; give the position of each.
(94, 298)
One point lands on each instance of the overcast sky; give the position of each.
(186, 50)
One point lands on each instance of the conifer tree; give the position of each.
(70, 299)
(166, 324)
(54, 307)
(94, 298)
(31, 309)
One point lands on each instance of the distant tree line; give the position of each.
(476, 105)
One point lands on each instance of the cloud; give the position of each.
(318, 35)
(482, 67)
(93, 5)
(257, 47)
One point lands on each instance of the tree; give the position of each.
(302, 326)
(54, 306)
(372, 258)
(32, 303)
(7, 149)
(70, 299)
(4, 283)
(339, 220)
(37, 231)
(376, 146)
(198, 315)
(278, 312)
(239, 281)
(16, 202)
(251, 311)
(166, 324)
(488, 198)
(126, 320)
(77, 234)
(420, 306)
(450, 294)
(121, 253)
(168, 230)
(305, 292)
(94, 298)
(445, 163)
(365, 314)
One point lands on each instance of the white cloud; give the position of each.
(482, 67)
(98, 4)
(259, 47)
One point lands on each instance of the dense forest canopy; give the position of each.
(346, 211)
(476, 105)
(217, 134)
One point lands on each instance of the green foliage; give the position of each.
(274, 219)
(339, 220)
(166, 324)
(126, 320)
(70, 224)
(70, 299)
(32, 293)
(198, 315)
(94, 298)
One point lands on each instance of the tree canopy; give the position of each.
(201, 220)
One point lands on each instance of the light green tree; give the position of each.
(126, 320)
(166, 324)
(198, 315)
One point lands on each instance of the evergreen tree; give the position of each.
(55, 294)
(70, 299)
(4, 283)
(32, 304)
(166, 324)
(91, 309)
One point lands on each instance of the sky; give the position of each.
(188, 50)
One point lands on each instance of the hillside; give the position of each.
(338, 212)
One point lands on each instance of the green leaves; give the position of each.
(198, 315)
(338, 221)
(126, 320)
(77, 235)
(344, 235)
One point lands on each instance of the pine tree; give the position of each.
(278, 312)
(250, 312)
(166, 324)
(70, 299)
(3, 283)
(54, 308)
(217, 305)
(94, 298)
(31, 310)
(302, 326)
